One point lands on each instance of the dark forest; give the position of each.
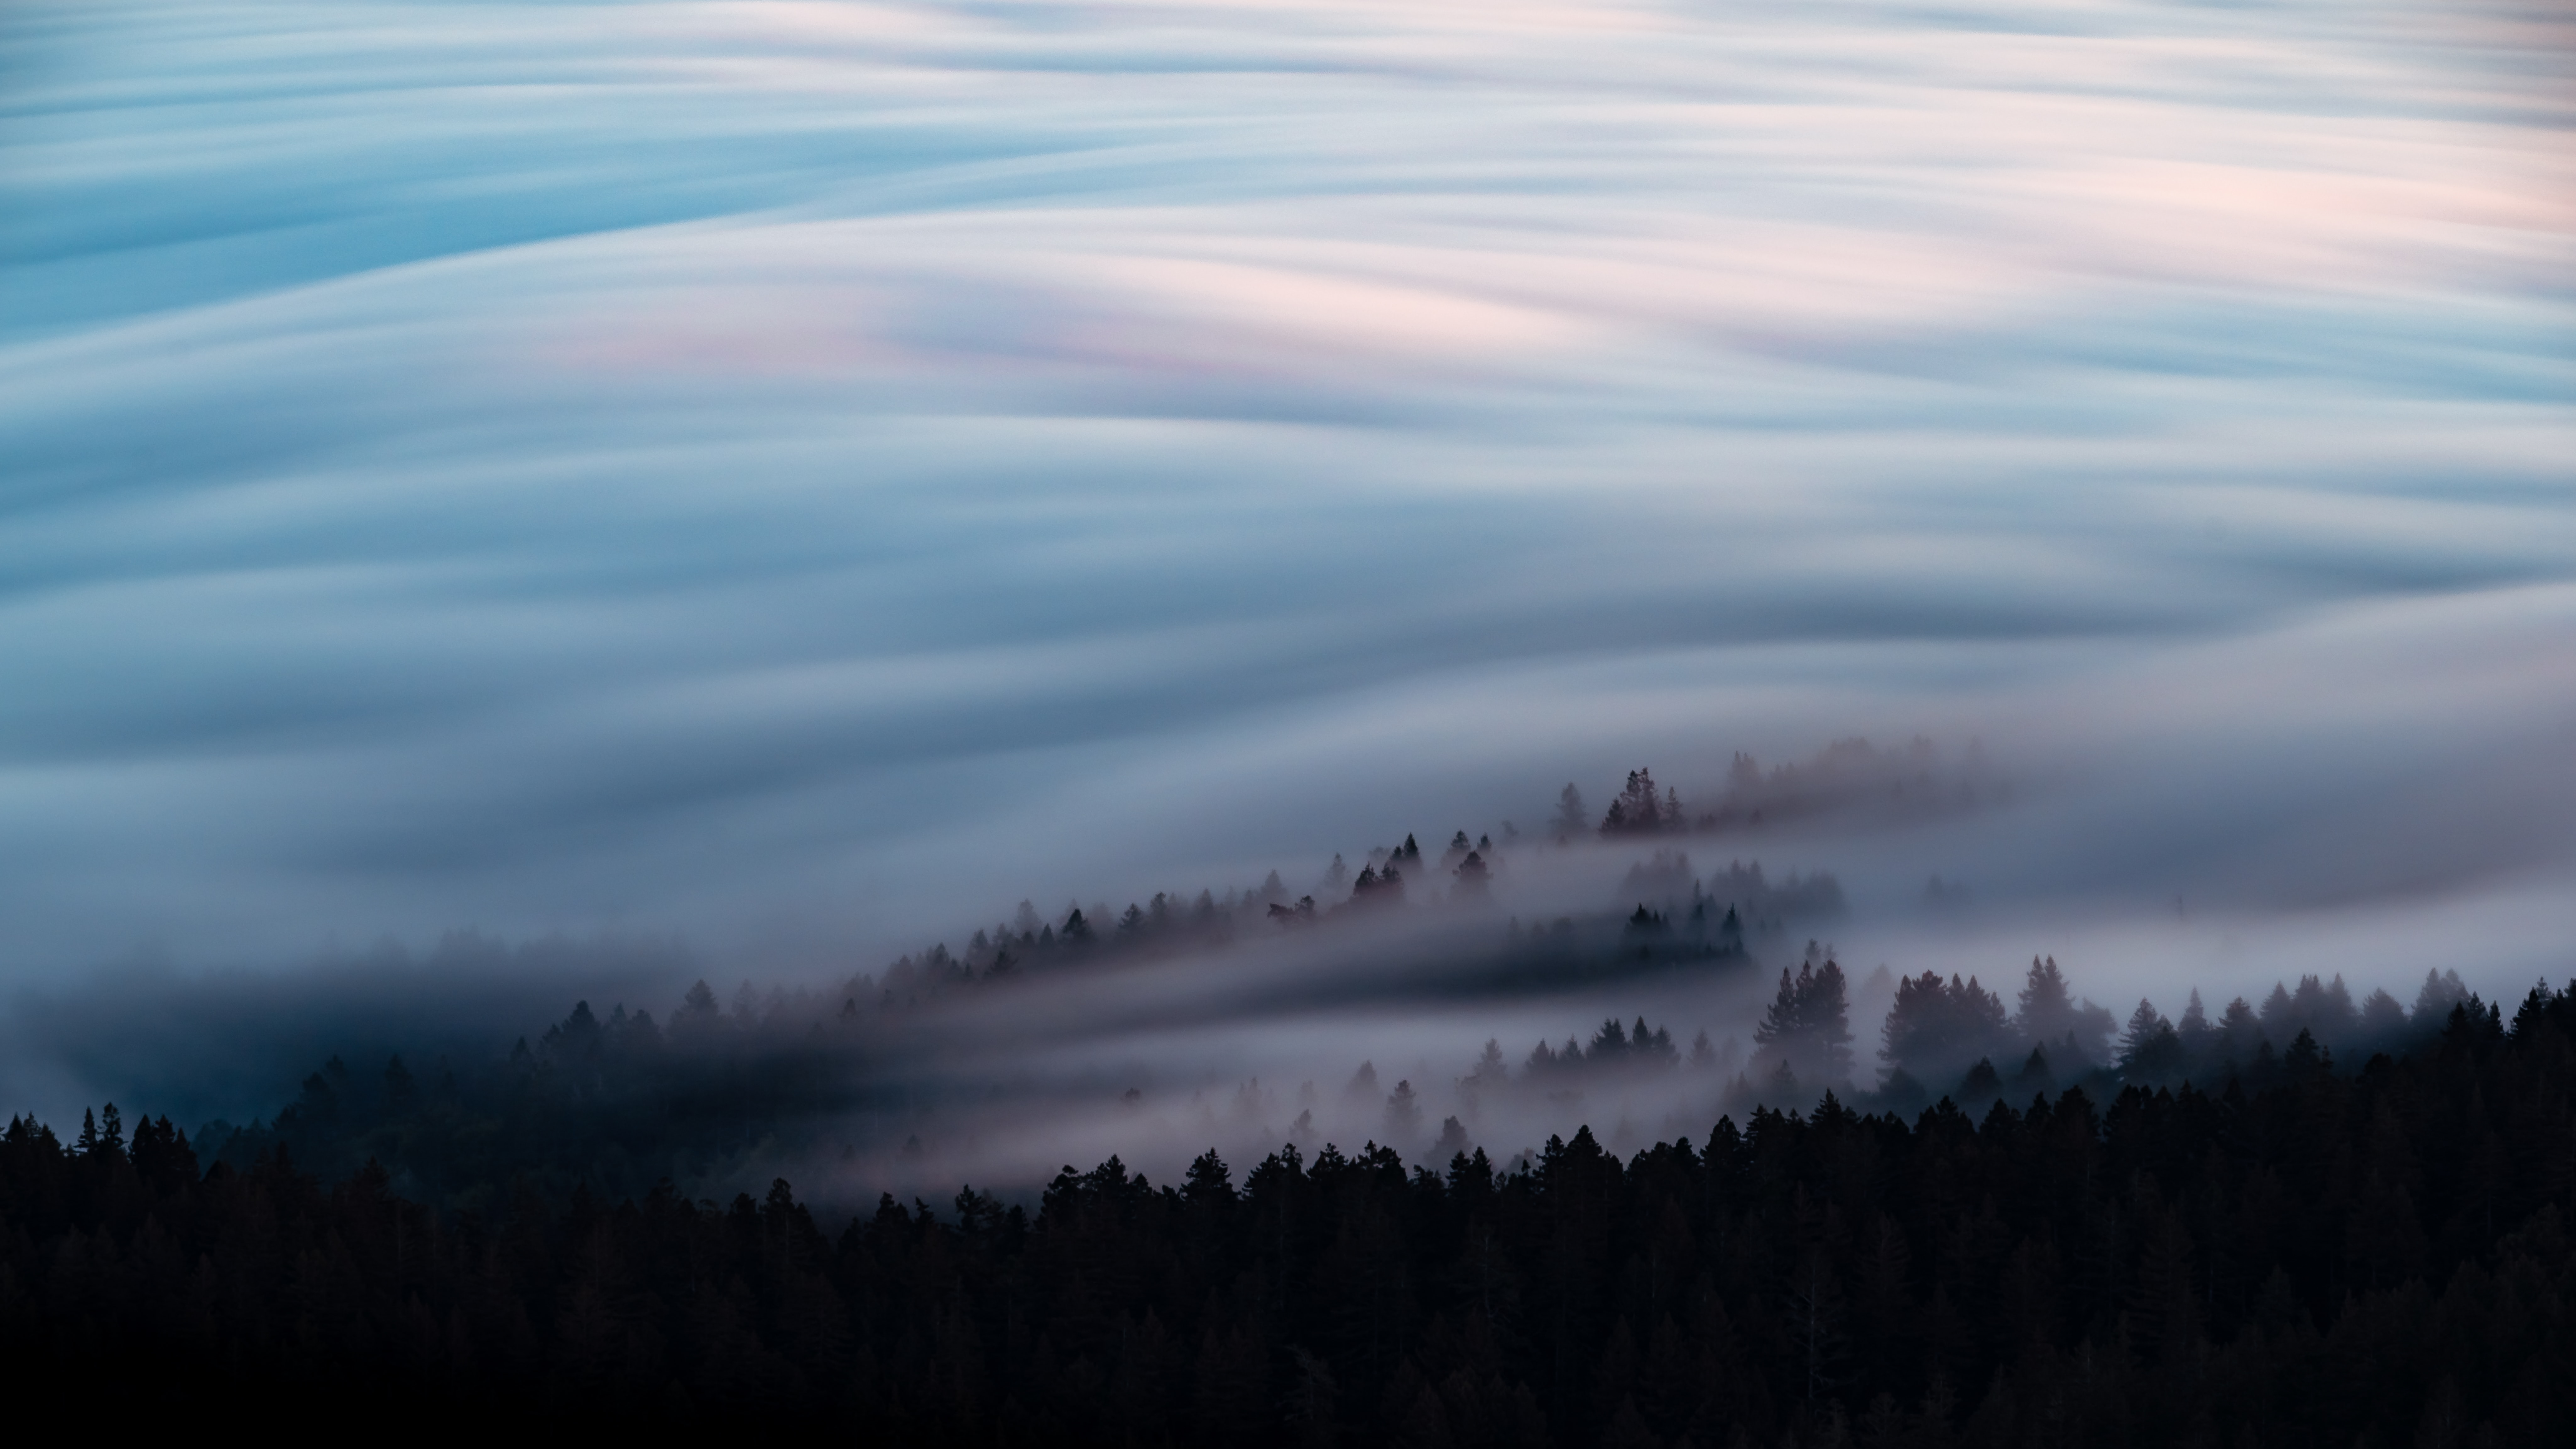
(2271, 1248)
(2308, 1221)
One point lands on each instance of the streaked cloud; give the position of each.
(802, 473)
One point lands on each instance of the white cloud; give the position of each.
(802, 472)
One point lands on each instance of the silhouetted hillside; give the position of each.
(2318, 1259)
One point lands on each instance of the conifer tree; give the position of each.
(1571, 819)
(1403, 1115)
(1475, 881)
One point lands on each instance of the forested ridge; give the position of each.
(2299, 1255)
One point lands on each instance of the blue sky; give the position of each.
(807, 475)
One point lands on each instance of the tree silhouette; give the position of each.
(2150, 1049)
(1474, 880)
(1403, 1115)
(2278, 1248)
(1638, 810)
(1936, 1028)
(2047, 1015)
(1571, 818)
(1808, 1026)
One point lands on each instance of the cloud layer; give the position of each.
(798, 474)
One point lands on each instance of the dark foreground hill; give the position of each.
(2378, 1258)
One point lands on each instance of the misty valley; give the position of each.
(1136, 1176)
(1291, 724)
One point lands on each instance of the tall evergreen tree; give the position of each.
(1808, 1024)
(1571, 818)
(1936, 1028)
(1638, 810)
(2150, 1049)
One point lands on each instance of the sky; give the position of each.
(798, 478)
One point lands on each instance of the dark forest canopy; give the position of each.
(2295, 1255)
(709, 1097)
(1849, 774)
(1666, 915)
(2004, 1214)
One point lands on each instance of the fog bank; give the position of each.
(797, 475)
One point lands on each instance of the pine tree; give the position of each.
(1208, 1184)
(1780, 1020)
(1809, 1023)
(1474, 880)
(1936, 1027)
(2149, 1049)
(1571, 818)
(2239, 1033)
(2194, 1028)
(2046, 1012)
(1638, 810)
(1826, 1014)
(1403, 1115)
(1609, 1042)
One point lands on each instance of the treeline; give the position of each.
(1675, 916)
(1847, 773)
(619, 1102)
(1667, 917)
(2378, 1257)
(1956, 1039)
(1846, 777)
(1169, 925)
(709, 1096)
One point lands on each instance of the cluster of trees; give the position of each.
(710, 1094)
(1613, 1047)
(2156, 1049)
(1937, 1029)
(1675, 919)
(1959, 1037)
(1675, 916)
(619, 1101)
(716, 1096)
(1847, 775)
(1162, 926)
(1597, 949)
(1942, 1032)
(1760, 906)
(1640, 811)
(1955, 1036)
(1381, 881)
(1168, 925)
(1805, 1033)
(2377, 1258)
(1666, 884)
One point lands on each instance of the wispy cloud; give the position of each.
(801, 472)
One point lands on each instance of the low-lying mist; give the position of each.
(1640, 962)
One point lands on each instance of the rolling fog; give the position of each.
(1305, 1011)
(754, 491)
